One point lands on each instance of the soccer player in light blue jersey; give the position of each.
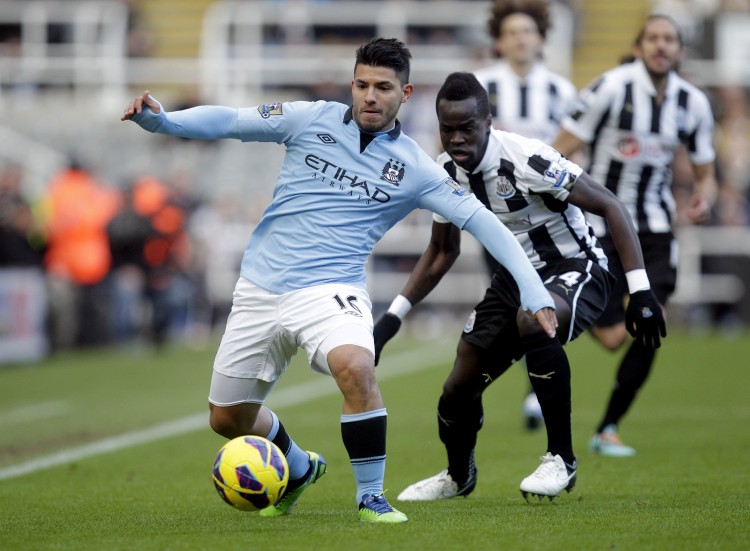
(349, 175)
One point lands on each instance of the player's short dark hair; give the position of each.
(654, 17)
(461, 86)
(386, 52)
(538, 10)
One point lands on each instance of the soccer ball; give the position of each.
(250, 473)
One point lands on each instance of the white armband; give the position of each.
(637, 281)
(400, 307)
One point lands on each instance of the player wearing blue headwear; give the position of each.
(348, 176)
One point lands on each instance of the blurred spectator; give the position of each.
(20, 242)
(76, 210)
(151, 252)
(22, 288)
(128, 233)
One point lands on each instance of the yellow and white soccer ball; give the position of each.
(250, 473)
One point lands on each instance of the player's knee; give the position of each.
(355, 377)
(219, 424)
(222, 422)
(464, 382)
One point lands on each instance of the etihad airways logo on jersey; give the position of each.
(338, 177)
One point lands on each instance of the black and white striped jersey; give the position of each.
(526, 184)
(532, 106)
(633, 139)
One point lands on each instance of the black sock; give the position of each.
(549, 374)
(458, 425)
(282, 439)
(365, 438)
(633, 372)
(284, 442)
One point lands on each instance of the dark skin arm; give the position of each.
(445, 241)
(437, 259)
(441, 253)
(591, 197)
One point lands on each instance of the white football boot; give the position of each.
(440, 486)
(549, 479)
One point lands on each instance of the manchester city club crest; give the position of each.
(393, 172)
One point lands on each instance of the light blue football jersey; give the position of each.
(334, 198)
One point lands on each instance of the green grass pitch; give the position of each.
(111, 450)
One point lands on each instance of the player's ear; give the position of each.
(406, 91)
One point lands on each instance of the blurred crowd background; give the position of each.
(112, 237)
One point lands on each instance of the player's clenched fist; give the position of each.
(135, 106)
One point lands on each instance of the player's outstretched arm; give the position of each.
(506, 249)
(441, 253)
(644, 318)
(205, 122)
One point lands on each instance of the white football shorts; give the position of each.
(265, 330)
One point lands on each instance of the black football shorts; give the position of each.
(582, 283)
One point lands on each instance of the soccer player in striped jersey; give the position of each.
(633, 118)
(349, 175)
(526, 97)
(541, 196)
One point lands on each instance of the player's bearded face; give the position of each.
(377, 95)
(660, 47)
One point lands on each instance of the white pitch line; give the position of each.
(418, 359)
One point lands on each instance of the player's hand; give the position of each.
(644, 319)
(385, 329)
(698, 210)
(136, 106)
(548, 320)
